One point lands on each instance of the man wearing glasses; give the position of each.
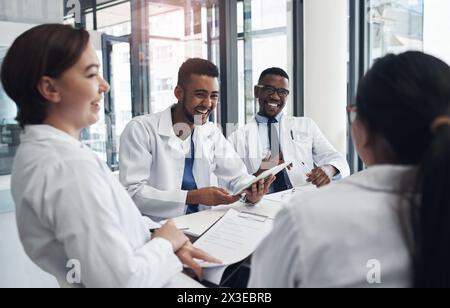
(273, 138)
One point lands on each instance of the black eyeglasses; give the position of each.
(269, 90)
(351, 113)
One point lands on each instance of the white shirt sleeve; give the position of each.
(325, 154)
(86, 220)
(136, 159)
(276, 263)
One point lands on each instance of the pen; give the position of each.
(305, 168)
(181, 229)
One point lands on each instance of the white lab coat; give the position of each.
(71, 207)
(300, 140)
(152, 164)
(337, 236)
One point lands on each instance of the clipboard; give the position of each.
(266, 174)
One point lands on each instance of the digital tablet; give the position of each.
(266, 174)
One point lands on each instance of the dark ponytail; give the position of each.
(432, 267)
(400, 99)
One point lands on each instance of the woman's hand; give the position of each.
(171, 233)
(187, 255)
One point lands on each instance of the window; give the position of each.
(190, 34)
(164, 53)
(395, 26)
(16, 17)
(143, 79)
(164, 84)
(113, 18)
(9, 130)
(265, 41)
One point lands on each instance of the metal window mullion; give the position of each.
(298, 46)
(229, 108)
(140, 66)
(357, 66)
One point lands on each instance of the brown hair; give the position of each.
(45, 50)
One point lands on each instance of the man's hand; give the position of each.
(188, 253)
(322, 176)
(259, 190)
(211, 196)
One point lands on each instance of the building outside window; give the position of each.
(265, 40)
(190, 35)
(395, 26)
(15, 18)
(9, 130)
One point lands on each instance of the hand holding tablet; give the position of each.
(263, 176)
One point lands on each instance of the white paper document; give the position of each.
(234, 237)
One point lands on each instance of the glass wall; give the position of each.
(193, 24)
(395, 26)
(9, 130)
(15, 18)
(177, 30)
(170, 31)
(265, 40)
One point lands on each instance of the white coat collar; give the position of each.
(34, 133)
(264, 120)
(390, 178)
(165, 127)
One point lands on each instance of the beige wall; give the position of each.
(437, 28)
(326, 46)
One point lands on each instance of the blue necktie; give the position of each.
(188, 178)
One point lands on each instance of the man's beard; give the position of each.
(188, 115)
(196, 120)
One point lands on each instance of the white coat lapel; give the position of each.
(165, 130)
(296, 175)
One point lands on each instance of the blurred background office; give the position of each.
(325, 46)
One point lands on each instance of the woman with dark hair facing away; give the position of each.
(75, 219)
(391, 224)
